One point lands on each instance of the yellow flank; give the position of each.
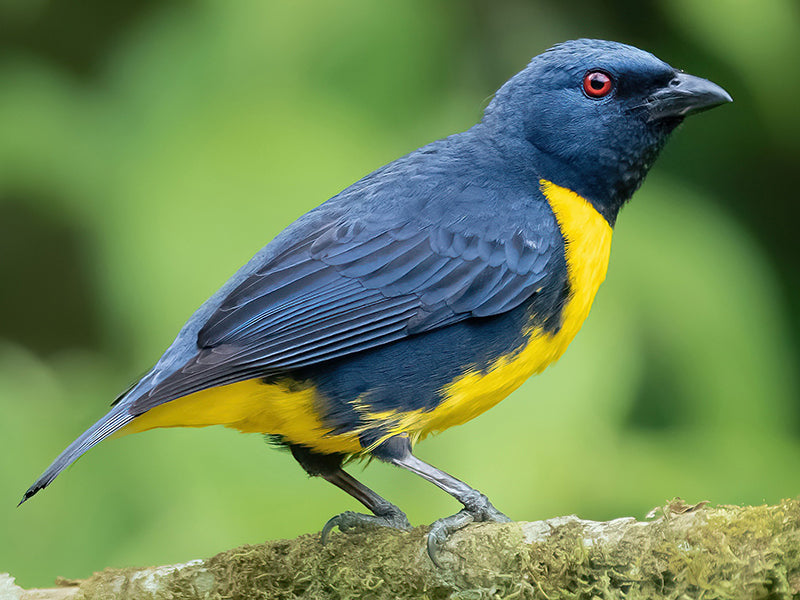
(285, 408)
(289, 409)
(588, 247)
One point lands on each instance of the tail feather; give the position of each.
(115, 420)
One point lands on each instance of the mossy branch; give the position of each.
(682, 552)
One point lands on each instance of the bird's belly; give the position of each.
(476, 391)
(588, 247)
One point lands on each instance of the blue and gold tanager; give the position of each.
(428, 291)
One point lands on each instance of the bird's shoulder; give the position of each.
(459, 200)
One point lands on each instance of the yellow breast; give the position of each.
(588, 247)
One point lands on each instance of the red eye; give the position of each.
(597, 84)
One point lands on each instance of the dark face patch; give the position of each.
(583, 106)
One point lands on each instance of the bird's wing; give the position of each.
(352, 286)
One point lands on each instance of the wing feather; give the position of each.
(353, 286)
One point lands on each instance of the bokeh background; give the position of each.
(148, 148)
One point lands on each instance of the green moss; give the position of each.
(688, 552)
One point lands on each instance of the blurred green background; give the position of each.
(148, 148)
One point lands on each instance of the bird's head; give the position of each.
(597, 113)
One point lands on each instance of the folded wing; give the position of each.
(351, 286)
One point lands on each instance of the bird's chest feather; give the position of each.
(588, 245)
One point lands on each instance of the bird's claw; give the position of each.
(480, 512)
(351, 522)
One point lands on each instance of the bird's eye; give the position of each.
(597, 84)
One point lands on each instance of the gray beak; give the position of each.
(685, 95)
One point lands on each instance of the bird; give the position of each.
(426, 292)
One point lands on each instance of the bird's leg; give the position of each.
(329, 467)
(476, 506)
(385, 514)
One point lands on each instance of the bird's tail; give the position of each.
(115, 420)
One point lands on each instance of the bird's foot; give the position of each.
(353, 522)
(477, 510)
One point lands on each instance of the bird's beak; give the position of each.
(685, 95)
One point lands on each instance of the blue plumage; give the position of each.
(437, 264)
